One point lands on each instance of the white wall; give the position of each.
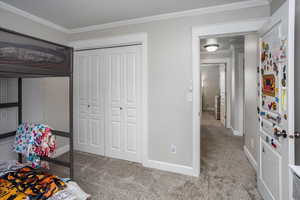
(210, 76)
(34, 100)
(170, 76)
(251, 117)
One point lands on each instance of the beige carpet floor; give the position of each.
(225, 173)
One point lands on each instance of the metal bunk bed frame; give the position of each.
(29, 74)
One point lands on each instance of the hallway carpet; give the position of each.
(225, 173)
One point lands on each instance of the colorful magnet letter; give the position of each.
(272, 106)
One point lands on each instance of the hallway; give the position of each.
(229, 173)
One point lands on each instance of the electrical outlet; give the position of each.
(173, 148)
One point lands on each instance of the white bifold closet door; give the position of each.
(114, 86)
(89, 108)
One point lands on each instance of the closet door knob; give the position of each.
(121, 108)
(89, 106)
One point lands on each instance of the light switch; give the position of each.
(189, 96)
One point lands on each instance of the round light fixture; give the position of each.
(211, 47)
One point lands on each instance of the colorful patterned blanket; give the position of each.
(34, 141)
(27, 183)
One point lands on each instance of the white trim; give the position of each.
(32, 17)
(238, 27)
(170, 167)
(110, 41)
(173, 15)
(250, 158)
(61, 150)
(141, 38)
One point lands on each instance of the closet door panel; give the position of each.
(130, 79)
(114, 133)
(123, 89)
(89, 72)
(96, 102)
(83, 72)
(82, 131)
(115, 77)
(131, 138)
(115, 137)
(130, 102)
(96, 126)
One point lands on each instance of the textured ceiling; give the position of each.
(80, 13)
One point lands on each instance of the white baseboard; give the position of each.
(250, 158)
(170, 167)
(61, 150)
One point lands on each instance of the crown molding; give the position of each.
(174, 15)
(32, 17)
(187, 13)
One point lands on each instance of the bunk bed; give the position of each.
(23, 56)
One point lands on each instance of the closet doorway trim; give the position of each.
(127, 40)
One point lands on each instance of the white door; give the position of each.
(276, 104)
(223, 94)
(89, 85)
(123, 103)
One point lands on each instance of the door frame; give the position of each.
(227, 62)
(121, 40)
(205, 64)
(198, 32)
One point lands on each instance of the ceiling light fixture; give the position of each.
(211, 47)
